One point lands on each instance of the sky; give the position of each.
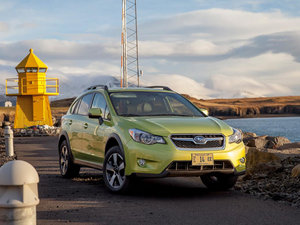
(204, 48)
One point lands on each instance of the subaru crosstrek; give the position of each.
(147, 132)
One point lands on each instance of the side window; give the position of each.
(74, 108)
(99, 102)
(85, 104)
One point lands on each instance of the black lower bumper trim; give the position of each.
(150, 175)
(239, 173)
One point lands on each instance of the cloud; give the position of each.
(4, 27)
(284, 42)
(239, 86)
(54, 49)
(268, 74)
(5, 6)
(220, 24)
(73, 85)
(204, 53)
(180, 84)
(180, 48)
(26, 25)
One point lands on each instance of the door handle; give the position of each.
(70, 122)
(85, 125)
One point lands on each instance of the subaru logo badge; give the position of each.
(200, 140)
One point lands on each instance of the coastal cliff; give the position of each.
(250, 107)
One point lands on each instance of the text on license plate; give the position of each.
(202, 159)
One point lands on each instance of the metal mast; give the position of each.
(130, 57)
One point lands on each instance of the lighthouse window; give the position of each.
(21, 70)
(31, 70)
(42, 70)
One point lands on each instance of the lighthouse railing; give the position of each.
(47, 86)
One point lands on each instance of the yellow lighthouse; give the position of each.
(32, 89)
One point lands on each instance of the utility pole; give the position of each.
(130, 56)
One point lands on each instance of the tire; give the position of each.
(66, 165)
(219, 181)
(114, 171)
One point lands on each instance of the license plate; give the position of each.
(202, 159)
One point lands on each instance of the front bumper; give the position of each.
(160, 159)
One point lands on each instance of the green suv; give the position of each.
(147, 132)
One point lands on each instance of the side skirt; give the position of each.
(88, 164)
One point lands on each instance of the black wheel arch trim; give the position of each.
(117, 138)
(66, 136)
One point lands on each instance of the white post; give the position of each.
(9, 139)
(18, 193)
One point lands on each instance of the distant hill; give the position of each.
(237, 107)
(62, 102)
(250, 107)
(3, 99)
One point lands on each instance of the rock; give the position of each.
(276, 142)
(248, 135)
(283, 154)
(263, 162)
(296, 171)
(258, 142)
(290, 146)
(251, 140)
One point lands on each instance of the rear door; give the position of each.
(68, 124)
(80, 140)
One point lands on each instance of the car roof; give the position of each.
(144, 89)
(102, 88)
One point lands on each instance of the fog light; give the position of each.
(242, 160)
(141, 162)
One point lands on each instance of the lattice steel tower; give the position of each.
(130, 55)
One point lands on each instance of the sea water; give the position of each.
(276, 126)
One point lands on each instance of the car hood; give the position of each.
(165, 126)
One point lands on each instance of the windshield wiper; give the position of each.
(170, 114)
(129, 114)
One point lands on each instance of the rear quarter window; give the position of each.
(74, 107)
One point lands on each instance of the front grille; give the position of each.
(187, 141)
(187, 166)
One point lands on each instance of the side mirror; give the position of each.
(204, 111)
(96, 113)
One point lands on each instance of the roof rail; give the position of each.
(162, 87)
(99, 86)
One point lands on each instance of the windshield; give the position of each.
(137, 103)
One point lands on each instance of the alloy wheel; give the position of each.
(64, 160)
(115, 171)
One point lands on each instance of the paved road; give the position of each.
(85, 200)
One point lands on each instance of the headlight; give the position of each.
(145, 138)
(236, 137)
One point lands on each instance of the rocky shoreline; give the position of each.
(273, 169)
